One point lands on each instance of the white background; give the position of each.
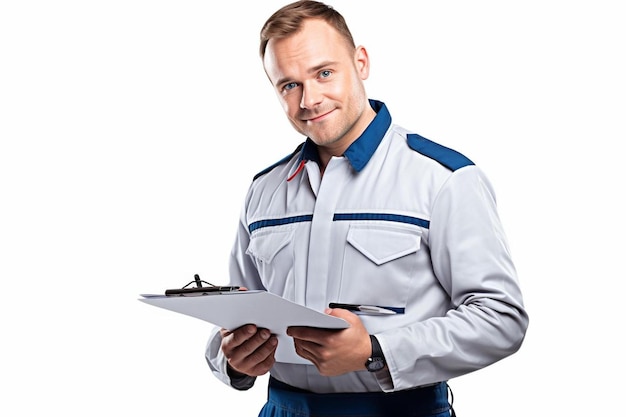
(130, 131)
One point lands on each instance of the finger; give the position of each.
(260, 368)
(268, 361)
(250, 345)
(306, 348)
(310, 352)
(302, 351)
(252, 358)
(235, 338)
(304, 333)
(342, 313)
(311, 334)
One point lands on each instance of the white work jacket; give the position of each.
(397, 221)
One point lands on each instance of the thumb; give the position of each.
(340, 312)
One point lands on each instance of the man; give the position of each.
(365, 212)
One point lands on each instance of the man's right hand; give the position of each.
(249, 350)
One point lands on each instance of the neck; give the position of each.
(340, 146)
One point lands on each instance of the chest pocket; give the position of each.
(272, 253)
(379, 261)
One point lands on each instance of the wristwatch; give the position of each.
(376, 361)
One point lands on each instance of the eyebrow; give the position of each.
(311, 70)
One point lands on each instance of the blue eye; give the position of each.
(290, 86)
(325, 74)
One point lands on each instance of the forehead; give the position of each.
(314, 43)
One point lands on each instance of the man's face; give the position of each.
(318, 79)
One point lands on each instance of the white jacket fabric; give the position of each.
(398, 221)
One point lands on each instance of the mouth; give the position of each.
(319, 118)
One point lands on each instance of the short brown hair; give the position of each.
(288, 20)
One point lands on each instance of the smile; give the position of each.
(319, 118)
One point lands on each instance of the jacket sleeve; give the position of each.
(243, 273)
(471, 260)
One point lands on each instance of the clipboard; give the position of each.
(233, 309)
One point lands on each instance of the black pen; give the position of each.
(367, 309)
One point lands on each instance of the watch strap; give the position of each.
(376, 361)
(377, 351)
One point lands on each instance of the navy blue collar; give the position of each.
(362, 149)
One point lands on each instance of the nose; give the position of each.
(311, 95)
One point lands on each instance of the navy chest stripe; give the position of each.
(279, 222)
(382, 216)
(342, 217)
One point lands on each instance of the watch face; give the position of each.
(375, 364)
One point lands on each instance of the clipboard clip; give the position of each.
(200, 288)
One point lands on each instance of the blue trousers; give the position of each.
(286, 401)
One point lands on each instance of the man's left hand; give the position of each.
(334, 352)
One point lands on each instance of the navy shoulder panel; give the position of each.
(447, 157)
(282, 161)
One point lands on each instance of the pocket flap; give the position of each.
(264, 246)
(383, 244)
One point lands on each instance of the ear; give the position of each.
(362, 62)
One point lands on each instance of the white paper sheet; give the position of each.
(234, 309)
